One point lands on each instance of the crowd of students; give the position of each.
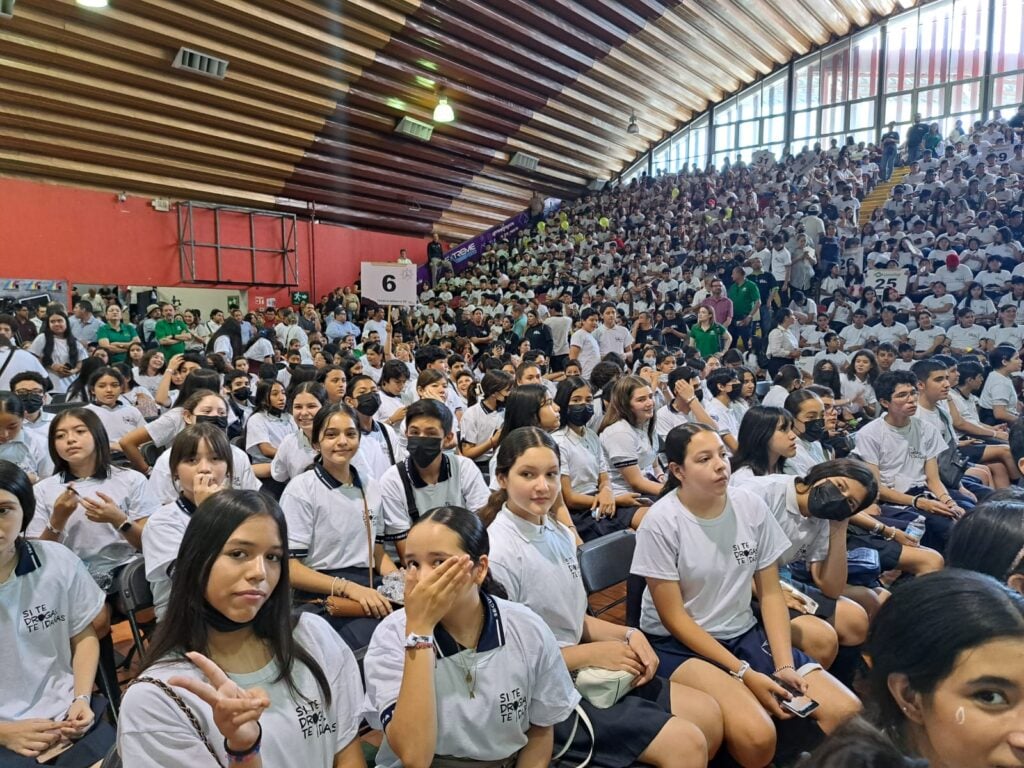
(412, 493)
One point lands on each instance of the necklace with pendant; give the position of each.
(470, 677)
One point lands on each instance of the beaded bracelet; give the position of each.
(241, 757)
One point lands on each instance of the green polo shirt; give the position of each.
(173, 328)
(743, 297)
(123, 336)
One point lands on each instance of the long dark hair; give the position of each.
(956, 611)
(473, 539)
(186, 446)
(851, 469)
(14, 480)
(99, 373)
(101, 442)
(990, 538)
(233, 330)
(200, 378)
(759, 424)
(872, 371)
(261, 403)
(184, 628)
(826, 379)
(565, 389)
(79, 389)
(48, 338)
(522, 409)
(514, 445)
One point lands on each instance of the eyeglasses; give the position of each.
(908, 395)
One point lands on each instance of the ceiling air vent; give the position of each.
(6, 9)
(524, 161)
(410, 126)
(200, 63)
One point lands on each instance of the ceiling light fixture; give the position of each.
(93, 3)
(443, 112)
(632, 127)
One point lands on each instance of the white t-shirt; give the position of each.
(163, 429)
(713, 560)
(998, 390)
(294, 456)
(59, 356)
(100, 545)
(724, 417)
(160, 485)
(667, 418)
(23, 362)
(539, 568)
(628, 446)
(48, 599)
(327, 526)
(893, 334)
(479, 423)
(1012, 336)
(615, 339)
(520, 680)
(853, 336)
(560, 327)
(899, 453)
(923, 339)
(264, 428)
(966, 338)
(590, 351)
(154, 733)
(808, 455)
(161, 541)
(119, 420)
(582, 458)
(781, 259)
(459, 484)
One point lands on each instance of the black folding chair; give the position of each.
(605, 562)
(58, 407)
(150, 453)
(133, 597)
(761, 388)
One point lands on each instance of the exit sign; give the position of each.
(298, 297)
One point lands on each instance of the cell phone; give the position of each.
(800, 705)
(59, 748)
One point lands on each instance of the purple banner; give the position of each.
(461, 255)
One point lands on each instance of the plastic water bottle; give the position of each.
(915, 530)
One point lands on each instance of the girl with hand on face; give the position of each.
(269, 424)
(629, 440)
(20, 446)
(231, 673)
(954, 700)
(336, 530)
(202, 407)
(459, 646)
(200, 464)
(534, 557)
(858, 384)
(59, 351)
(481, 424)
(105, 388)
(295, 454)
(586, 485)
(49, 665)
(701, 547)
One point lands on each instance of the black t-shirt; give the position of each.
(890, 137)
(653, 336)
(765, 282)
(916, 134)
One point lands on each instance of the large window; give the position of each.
(932, 63)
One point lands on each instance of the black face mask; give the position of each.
(736, 393)
(423, 450)
(31, 403)
(221, 422)
(815, 430)
(579, 415)
(826, 502)
(368, 403)
(275, 411)
(242, 394)
(221, 623)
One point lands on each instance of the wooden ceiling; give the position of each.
(304, 120)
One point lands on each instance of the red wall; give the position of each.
(55, 232)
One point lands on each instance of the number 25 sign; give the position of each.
(389, 283)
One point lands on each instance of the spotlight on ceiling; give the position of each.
(632, 127)
(443, 112)
(93, 3)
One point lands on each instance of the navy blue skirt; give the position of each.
(751, 647)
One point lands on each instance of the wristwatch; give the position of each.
(419, 641)
(739, 673)
(125, 526)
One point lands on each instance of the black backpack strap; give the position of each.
(410, 498)
(387, 442)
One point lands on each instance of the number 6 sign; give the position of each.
(389, 283)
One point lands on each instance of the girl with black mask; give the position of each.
(586, 485)
(814, 512)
